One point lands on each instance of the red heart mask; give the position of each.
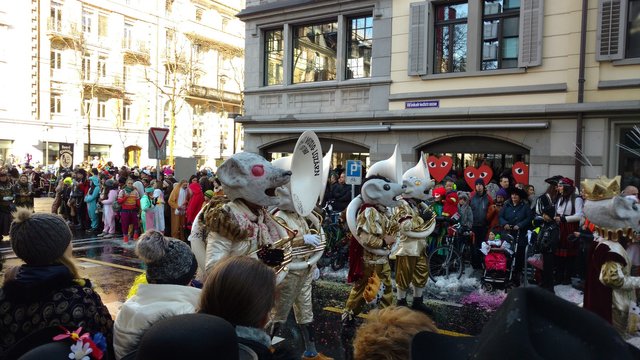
(439, 167)
(520, 172)
(472, 174)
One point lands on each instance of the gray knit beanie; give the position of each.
(169, 261)
(39, 239)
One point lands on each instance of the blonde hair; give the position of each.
(70, 263)
(387, 333)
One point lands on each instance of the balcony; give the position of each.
(109, 85)
(63, 30)
(214, 38)
(135, 51)
(208, 93)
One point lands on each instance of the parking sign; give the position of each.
(353, 172)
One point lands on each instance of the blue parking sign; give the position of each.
(353, 172)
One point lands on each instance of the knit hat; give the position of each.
(463, 195)
(39, 239)
(479, 181)
(502, 192)
(110, 183)
(169, 261)
(439, 192)
(209, 193)
(68, 181)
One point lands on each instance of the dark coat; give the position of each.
(515, 215)
(48, 296)
(341, 196)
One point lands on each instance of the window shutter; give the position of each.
(418, 19)
(531, 20)
(610, 37)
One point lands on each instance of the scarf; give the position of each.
(182, 197)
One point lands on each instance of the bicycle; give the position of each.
(450, 258)
(336, 252)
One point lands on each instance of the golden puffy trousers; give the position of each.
(356, 301)
(411, 269)
(295, 291)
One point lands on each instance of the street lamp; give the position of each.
(234, 116)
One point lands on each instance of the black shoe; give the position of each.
(418, 305)
(402, 302)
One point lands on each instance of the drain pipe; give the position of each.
(581, 80)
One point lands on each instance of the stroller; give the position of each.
(499, 261)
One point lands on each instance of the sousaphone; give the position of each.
(326, 169)
(390, 168)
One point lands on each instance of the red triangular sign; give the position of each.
(159, 136)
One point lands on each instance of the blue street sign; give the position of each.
(354, 168)
(353, 172)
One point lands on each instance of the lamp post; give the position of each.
(233, 116)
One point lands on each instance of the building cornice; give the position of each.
(457, 93)
(458, 113)
(289, 6)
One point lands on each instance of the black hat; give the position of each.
(532, 323)
(189, 336)
(520, 192)
(553, 180)
(479, 181)
(40, 238)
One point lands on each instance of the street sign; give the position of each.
(353, 173)
(155, 152)
(159, 136)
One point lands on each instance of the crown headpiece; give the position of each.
(601, 188)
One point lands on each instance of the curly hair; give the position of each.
(387, 333)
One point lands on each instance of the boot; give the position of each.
(402, 302)
(418, 304)
(126, 239)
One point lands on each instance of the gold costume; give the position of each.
(295, 290)
(411, 258)
(373, 225)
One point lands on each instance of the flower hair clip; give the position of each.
(84, 347)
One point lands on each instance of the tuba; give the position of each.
(306, 185)
(420, 171)
(326, 169)
(390, 168)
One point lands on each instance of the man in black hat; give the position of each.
(531, 324)
(550, 195)
(480, 202)
(515, 217)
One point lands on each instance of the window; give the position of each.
(359, 38)
(168, 6)
(127, 72)
(86, 107)
(450, 38)
(102, 109)
(314, 52)
(56, 59)
(500, 27)
(56, 16)
(443, 36)
(86, 67)
(127, 36)
(618, 33)
(102, 66)
(103, 21)
(225, 23)
(86, 21)
(199, 13)
(273, 57)
(56, 103)
(126, 112)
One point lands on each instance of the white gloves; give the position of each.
(311, 239)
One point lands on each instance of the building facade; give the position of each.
(490, 82)
(103, 73)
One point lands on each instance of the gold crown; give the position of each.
(601, 188)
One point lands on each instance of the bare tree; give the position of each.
(94, 81)
(179, 73)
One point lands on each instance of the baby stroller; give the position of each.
(499, 260)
